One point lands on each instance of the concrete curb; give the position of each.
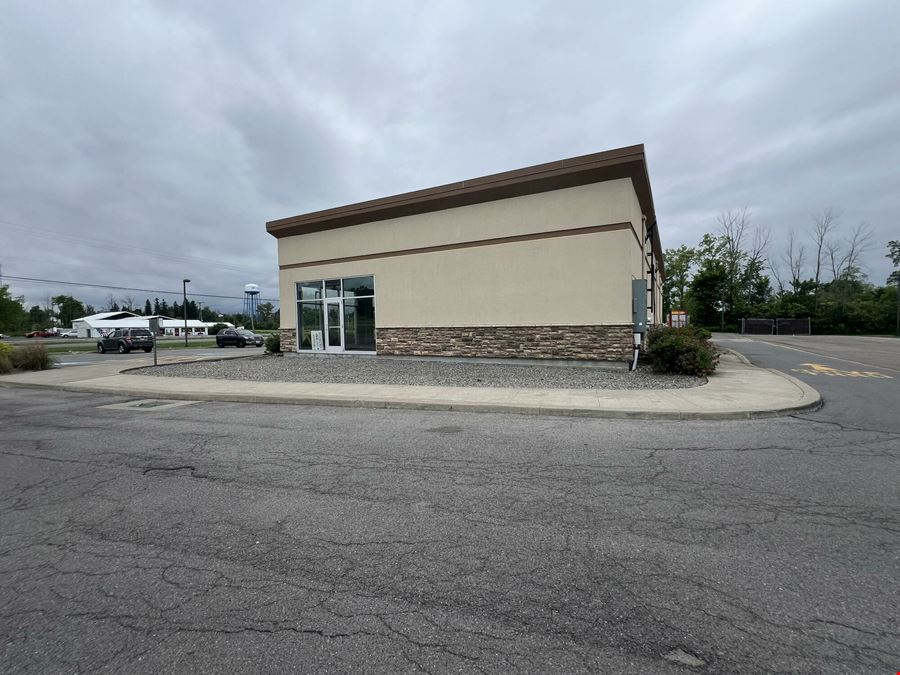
(441, 406)
(738, 384)
(740, 357)
(216, 359)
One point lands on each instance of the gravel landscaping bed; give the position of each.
(374, 370)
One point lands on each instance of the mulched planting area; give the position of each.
(424, 372)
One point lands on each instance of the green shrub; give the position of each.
(697, 331)
(6, 348)
(683, 351)
(273, 343)
(31, 357)
(215, 328)
(5, 363)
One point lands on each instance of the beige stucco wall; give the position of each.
(565, 280)
(572, 280)
(582, 206)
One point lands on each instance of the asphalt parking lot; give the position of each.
(861, 350)
(221, 537)
(858, 377)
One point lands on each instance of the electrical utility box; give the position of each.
(639, 305)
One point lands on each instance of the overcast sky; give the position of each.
(142, 142)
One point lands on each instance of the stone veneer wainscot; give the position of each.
(595, 343)
(288, 339)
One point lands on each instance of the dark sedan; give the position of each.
(124, 340)
(239, 337)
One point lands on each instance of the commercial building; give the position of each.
(97, 325)
(532, 263)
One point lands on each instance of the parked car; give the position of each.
(69, 333)
(239, 337)
(3, 336)
(125, 339)
(41, 333)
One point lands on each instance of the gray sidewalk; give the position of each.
(737, 390)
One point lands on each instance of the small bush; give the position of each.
(683, 351)
(273, 343)
(215, 328)
(697, 332)
(31, 357)
(5, 363)
(6, 348)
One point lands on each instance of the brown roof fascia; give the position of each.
(627, 162)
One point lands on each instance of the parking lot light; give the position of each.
(184, 283)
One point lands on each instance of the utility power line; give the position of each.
(126, 288)
(132, 249)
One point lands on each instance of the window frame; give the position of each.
(339, 298)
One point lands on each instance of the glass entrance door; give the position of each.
(334, 327)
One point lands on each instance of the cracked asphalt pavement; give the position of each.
(220, 537)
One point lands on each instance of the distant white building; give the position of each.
(97, 325)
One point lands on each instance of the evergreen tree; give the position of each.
(148, 310)
(69, 309)
(13, 317)
(38, 317)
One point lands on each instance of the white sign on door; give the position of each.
(318, 344)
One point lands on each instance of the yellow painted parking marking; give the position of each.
(830, 356)
(828, 371)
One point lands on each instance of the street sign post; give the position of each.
(154, 329)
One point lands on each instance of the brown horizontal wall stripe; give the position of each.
(552, 234)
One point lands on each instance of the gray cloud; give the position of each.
(179, 128)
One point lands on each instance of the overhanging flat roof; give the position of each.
(627, 162)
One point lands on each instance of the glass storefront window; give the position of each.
(356, 286)
(359, 324)
(309, 290)
(336, 314)
(311, 320)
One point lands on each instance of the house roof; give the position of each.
(143, 322)
(140, 322)
(628, 162)
(103, 316)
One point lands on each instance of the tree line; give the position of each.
(735, 273)
(62, 310)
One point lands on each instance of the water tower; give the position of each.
(251, 301)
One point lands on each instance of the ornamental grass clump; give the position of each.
(31, 357)
(682, 351)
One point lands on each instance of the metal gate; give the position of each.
(757, 327)
(792, 326)
(776, 326)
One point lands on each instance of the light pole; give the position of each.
(184, 283)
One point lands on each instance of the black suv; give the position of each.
(126, 339)
(238, 337)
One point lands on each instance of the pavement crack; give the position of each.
(185, 467)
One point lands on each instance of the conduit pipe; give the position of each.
(637, 350)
